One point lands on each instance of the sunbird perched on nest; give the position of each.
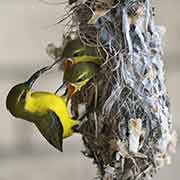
(46, 110)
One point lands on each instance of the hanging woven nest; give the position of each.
(127, 129)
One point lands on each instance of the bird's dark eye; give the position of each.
(23, 96)
(75, 54)
(79, 52)
(80, 79)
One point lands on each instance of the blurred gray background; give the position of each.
(26, 27)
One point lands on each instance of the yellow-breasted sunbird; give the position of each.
(46, 110)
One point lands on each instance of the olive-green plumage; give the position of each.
(46, 110)
(77, 75)
(75, 47)
(80, 74)
(79, 53)
(81, 63)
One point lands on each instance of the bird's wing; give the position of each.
(55, 131)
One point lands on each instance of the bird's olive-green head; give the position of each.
(78, 76)
(81, 72)
(75, 48)
(16, 99)
(71, 47)
(17, 95)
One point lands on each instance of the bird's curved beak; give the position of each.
(35, 76)
(64, 85)
(38, 73)
(68, 64)
(71, 90)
